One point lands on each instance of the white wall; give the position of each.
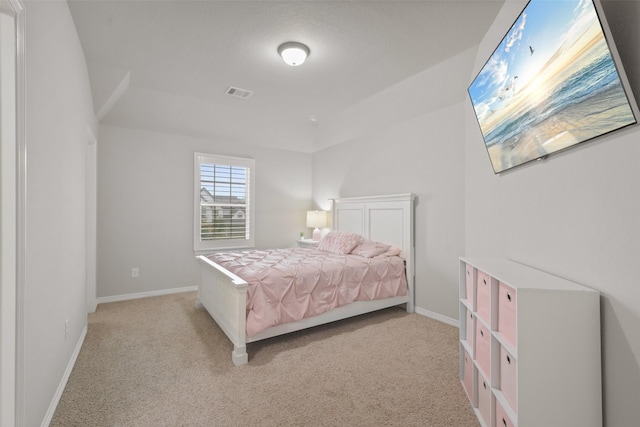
(145, 205)
(424, 154)
(575, 215)
(58, 111)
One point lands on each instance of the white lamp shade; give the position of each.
(317, 220)
(293, 53)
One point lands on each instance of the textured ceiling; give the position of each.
(165, 65)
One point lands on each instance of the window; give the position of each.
(223, 204)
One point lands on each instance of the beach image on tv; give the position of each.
(550, 84)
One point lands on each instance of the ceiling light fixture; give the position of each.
(293, 53)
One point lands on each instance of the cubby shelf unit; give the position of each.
(529, 346)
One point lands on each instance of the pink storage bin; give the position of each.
(467, 379)
(502, 419)
(469, 285)
(483, 349)
(470, 328)
(483, 296)
(484, 399)
(507, 312)
(508, 377)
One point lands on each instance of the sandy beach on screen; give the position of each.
(595, 116)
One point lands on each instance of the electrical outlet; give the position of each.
(66, 328)
(135, 272)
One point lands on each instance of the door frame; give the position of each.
(12, 223)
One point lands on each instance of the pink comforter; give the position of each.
(286, 285)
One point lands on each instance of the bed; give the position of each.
(384, 219)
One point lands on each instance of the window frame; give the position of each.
(203, 246)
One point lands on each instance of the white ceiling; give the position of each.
(165, 65)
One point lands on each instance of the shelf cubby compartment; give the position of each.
(482, 348)
(507, 312)
(484, 400)
(467, 374)
(483, 296)
(467, 330)
(470, 286)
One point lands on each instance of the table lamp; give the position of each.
(316, 220)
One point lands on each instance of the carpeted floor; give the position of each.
(161, 362)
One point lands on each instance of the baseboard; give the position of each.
(437, 316)
(63, 382)
(125, 297)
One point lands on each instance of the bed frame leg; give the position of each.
(239, 355)
(410, 307)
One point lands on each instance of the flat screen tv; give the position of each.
(554, 81)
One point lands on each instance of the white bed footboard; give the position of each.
(224, 295)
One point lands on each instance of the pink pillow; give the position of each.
(369, 248)
(339, 243)
(392, 251)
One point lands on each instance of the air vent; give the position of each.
(238, 93)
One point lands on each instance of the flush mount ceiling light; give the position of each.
(293, 53)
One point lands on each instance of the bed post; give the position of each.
(411, 255)
(239, 354)
(224, 295)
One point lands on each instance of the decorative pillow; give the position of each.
(392, 251)
(339, 243)
(369, 248)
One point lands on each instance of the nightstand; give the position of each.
(307, 243)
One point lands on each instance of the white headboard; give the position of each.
(387, 219)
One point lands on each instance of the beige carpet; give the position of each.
(161, 362)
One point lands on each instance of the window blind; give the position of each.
(224, 202)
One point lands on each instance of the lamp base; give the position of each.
(316, 234)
